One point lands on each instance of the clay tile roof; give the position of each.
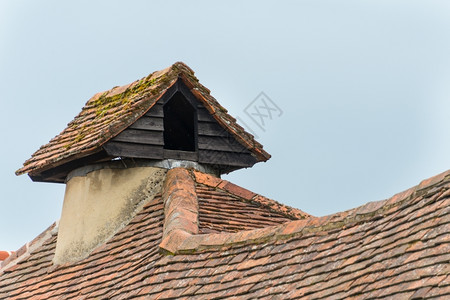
(226, 207)
(397, 248)
(107, 114)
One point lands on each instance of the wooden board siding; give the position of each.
(156, 110)
(144, 138)
(214, 144)
(210, 127)
(148, 123)
(134, 150)
(181, 155)
(217, 146)
(138, 136)
(219, 143)
(224, 159)
(204, 115)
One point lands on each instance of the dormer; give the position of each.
(167, 118)
(114, 155)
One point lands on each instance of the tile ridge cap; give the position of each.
(180, 209)
(26, 250)
(434, 180)
(404, 196)
(368, 212)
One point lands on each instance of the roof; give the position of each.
(396, 248)
(108, 113)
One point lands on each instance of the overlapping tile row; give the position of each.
(115, 268)
(398, 249)
(233, 190)
(402, 251)
(104, 116)
(25, 251)
(223, 212)
(107, 114)
(226, 207)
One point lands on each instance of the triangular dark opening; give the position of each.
(179, 124)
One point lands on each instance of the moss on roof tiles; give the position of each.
(106, 114)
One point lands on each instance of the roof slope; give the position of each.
(107, 114)
(226, 207)
(397, 248)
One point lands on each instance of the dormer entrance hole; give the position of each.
(179, 124)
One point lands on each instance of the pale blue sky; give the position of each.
(363, 86)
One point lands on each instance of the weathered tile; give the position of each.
(402, 253)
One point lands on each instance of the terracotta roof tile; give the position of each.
(4, 255)
(224, 212)
(224, 188)
(397, 248)
(107, 114)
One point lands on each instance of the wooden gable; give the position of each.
(214, 145)
(165, 115)
(148, 137)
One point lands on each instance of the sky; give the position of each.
(359, 90)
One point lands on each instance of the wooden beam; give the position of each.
(134, 150)
(211, 129)
(183, 155)
(156, 110)
(226, 158)
(138, 136)
(205, 116)
(218, 143)
(148, 123)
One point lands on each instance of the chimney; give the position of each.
(100, 200)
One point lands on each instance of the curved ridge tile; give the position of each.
(180, 209)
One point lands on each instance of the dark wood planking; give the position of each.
(226, 158)
(205, 116)
(168, 94)
(211, 129)
(156, 110)
(134, 150)
(178, 154)
(148, 123)
(217, 143)
(145, 139)
(181, 87)
(138, 136)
